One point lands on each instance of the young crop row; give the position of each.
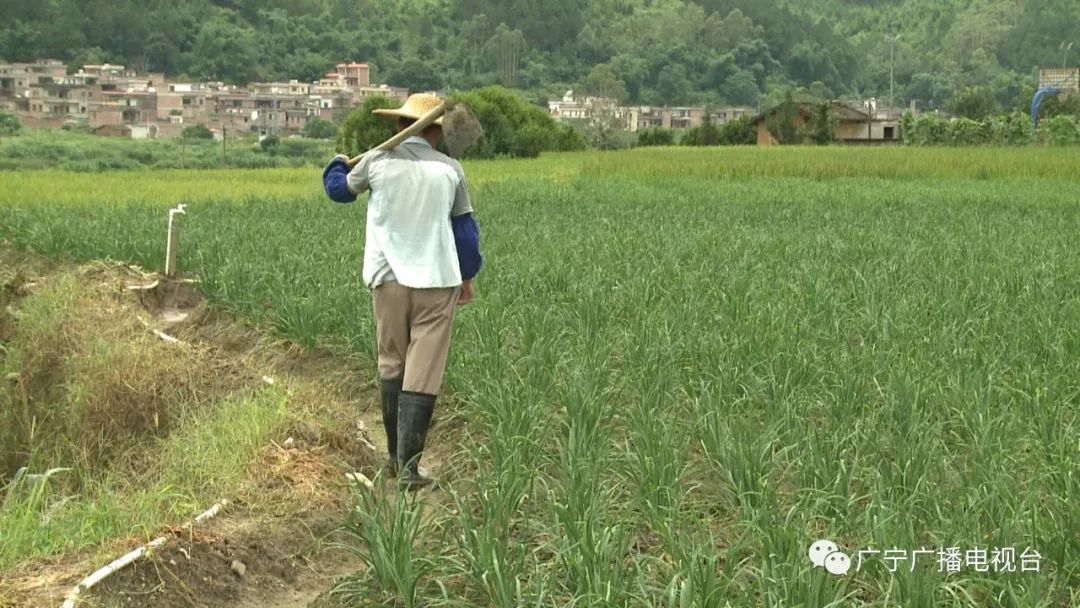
(890, 163)
(841, 162)
(158, 189)
(667, 389)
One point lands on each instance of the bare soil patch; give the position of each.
(242, 563)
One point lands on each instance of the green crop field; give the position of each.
(683, 367)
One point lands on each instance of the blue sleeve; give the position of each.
(336, 183)
(467, 239)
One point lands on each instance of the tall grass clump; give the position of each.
(165, 482)
(387, 534)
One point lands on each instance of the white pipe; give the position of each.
(361, 479)
(164, 336)
(170, 253)
(108, 570)
(143, 287)
(122, 562)
(211, 512)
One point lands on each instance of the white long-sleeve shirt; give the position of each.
(415, 190)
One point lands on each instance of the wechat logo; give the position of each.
(825, 554)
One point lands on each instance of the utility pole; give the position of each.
(224, 132)
(1065, 55)
(892, 70)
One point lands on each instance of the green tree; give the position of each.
(363, 130)
(512, 126)
(505, 49)
(1059, 131)
(270, 144)
(9, 124)
(603, 82)
(21, 41)
(530, 140)
(552, 25)
(908, 130)
(415, 75)
(810, 62)
(741, 88)
(739, 132)
(197, 132)
(821, 128)
(317, 128)
(656, 136)
(225, 51)
(781, 121)
(708, 132)
(568, 139)
(673, 87)
(606, 132)
(929, 90)
(976, 103)
(591, 48)
(729, 32)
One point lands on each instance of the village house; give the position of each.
(112, 100)
(181, 104)
(123, 107)
(680, 118)
(636, 118)
(853, 124)
(349, 86)
(22, 92)
(575, 107)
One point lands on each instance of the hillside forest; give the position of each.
(655, 52)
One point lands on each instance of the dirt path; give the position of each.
(286, 563)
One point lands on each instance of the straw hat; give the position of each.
(414, 107)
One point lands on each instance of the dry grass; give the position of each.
(152, 431)
(86, 378)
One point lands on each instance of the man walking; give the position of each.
(421, 254)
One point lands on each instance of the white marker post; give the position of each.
(172, 243)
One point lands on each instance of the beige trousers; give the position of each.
(413, 331)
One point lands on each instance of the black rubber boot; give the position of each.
(391, 392)
(414, 417)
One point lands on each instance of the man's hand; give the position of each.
(466, 294)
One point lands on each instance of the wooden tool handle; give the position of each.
(413, 129)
